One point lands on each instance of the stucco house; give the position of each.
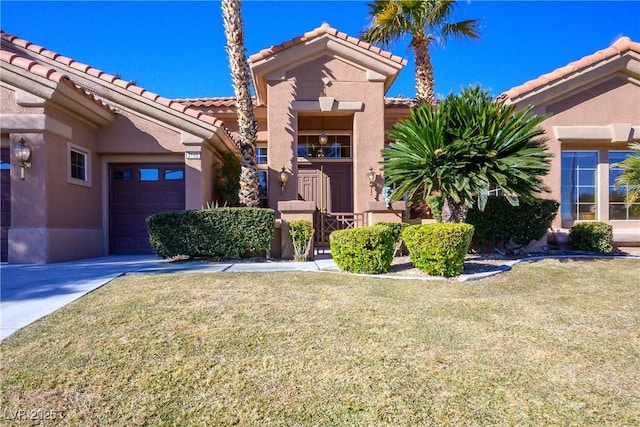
(593, 106)
(106, 153)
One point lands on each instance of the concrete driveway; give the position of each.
(31, 291)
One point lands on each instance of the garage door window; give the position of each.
(149, 174)
(173, 174)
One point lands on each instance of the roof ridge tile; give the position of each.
(325, 28)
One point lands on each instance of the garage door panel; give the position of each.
(138, 191)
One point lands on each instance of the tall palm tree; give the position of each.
(630, 176)
(426, 21)
(464, 147)
(241, 79)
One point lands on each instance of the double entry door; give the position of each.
(328, 184)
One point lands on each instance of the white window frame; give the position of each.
(87, 156)
(611, 184)
(596, 196)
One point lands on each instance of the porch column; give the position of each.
(290, 211)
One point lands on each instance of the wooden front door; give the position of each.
(329, 185)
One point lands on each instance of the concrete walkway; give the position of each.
(31, 291)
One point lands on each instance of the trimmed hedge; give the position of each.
(592, 236)
(501, 223)
(438, 249)
(301, 232)
(220, 232)
(396, 229)
(367, 250)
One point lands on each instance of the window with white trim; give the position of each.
(618, 210)
(79, 168)
(579, 185)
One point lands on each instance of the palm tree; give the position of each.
(241, 79)
(427, 21)
(464, 147)
(630, 177)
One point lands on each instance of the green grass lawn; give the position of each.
(553, 342)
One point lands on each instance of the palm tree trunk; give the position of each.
(424, 71)
(247, 126)
(453, 211)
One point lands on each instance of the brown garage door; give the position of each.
(5, 207)
(136, 192)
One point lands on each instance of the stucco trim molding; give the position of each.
(34, 123)
(315, 106)
(615, 132)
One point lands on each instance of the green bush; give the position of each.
(367, 250)
(396, 229)
(301, 232)
(438, 249)
(592, 237)
(221, 233)
(501, 224)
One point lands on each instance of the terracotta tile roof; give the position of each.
(622, 45)
(322, 30)
(214, 102)
(48, 73)
(400, 102)
(108, 78)
(229, 102)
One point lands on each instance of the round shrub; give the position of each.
(396, 229)
(438, 249)
(367, 250)
(592, 236)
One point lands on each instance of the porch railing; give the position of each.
(327, 223)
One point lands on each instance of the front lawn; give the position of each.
(553, 342)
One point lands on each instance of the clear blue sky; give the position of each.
(176, 49)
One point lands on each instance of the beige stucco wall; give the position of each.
(325, 76)
(52, 220)
(612, 101)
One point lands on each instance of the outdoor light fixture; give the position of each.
(283, 178)
(322, 139)
(371, 175)
(22, 153)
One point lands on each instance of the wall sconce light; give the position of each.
(283, 178)
(22, 153)
(371, 176)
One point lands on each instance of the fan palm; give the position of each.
(630, 176)
(241, 79)
(464, 147)
(427, 21)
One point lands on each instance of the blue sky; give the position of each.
(176, 49)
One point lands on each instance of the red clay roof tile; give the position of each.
(324, 29)
(109, 78)
(48, 73)
(229, 102)
(619, 47)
